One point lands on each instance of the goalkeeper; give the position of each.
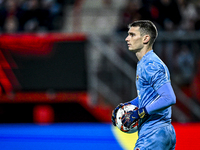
(154, 90)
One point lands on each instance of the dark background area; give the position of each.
(62, 70)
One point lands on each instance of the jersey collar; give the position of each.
(146, 55)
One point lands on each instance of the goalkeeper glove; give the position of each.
(132, 116)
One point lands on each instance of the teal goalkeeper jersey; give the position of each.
(151, 74)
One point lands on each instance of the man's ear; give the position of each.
(146, 39)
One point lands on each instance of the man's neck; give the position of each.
(141, 53)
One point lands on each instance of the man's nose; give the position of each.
(126, 39)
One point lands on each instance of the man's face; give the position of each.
(134, 39)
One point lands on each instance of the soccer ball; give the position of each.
(120, 113)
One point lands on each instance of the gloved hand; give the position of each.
(132, 116)
(114, 112)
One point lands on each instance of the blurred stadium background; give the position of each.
(64, 65)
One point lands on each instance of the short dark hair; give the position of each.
(146, 27)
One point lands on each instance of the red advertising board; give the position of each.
(187, 135)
